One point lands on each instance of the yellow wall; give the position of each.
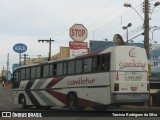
(64, 53)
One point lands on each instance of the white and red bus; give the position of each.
(102, 78)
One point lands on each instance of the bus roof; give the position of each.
(102, 51)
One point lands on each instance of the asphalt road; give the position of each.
(6, 99)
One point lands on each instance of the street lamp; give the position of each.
(126, 28)
(129, 5)
(154, 30)
(155, 5)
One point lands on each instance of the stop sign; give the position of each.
(78, 32)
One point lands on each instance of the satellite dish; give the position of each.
(118, 40)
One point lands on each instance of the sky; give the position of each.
(27, 21)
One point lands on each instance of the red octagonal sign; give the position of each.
(78, 32)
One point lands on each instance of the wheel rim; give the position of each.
(73, 101)
(23, 103)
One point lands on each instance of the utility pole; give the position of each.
(7, 66)
(19, 59)
(50, 41)
(25, 58)
(146, 27)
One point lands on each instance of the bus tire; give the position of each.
(23, 102)
(72, 101)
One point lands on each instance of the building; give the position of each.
(64, 53)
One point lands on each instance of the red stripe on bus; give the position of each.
(55, 81)
(63, 98)
(60, 96)
(84, 102)
(91, 54)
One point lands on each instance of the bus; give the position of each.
(116, 75)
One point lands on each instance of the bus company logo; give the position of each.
(133, 63)
(81, 81)
(132, 53)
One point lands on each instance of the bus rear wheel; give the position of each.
(72, 101)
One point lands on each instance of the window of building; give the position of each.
(33, 72)
(79, 66)
(45, 70)
(59, 68)
(27, 73)
(88, 65)
(71, 67)
(22, 74)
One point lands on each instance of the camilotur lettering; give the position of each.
(81, 81)
(131, 64)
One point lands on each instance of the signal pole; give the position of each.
(50, 41)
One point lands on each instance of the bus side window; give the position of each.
(103, 62)
(71, 67)
(51, 70)
(79, 66)
(55, 69)
(45, 70)
(38, 71)
(64, 68)
(106, 62)
(16, 79)
(27, 73)
(99, 65)
(60, 68)
(87, 65)
(94, 64)
(22, 73)
(33, 72)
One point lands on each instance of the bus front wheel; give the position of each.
(23, 102)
